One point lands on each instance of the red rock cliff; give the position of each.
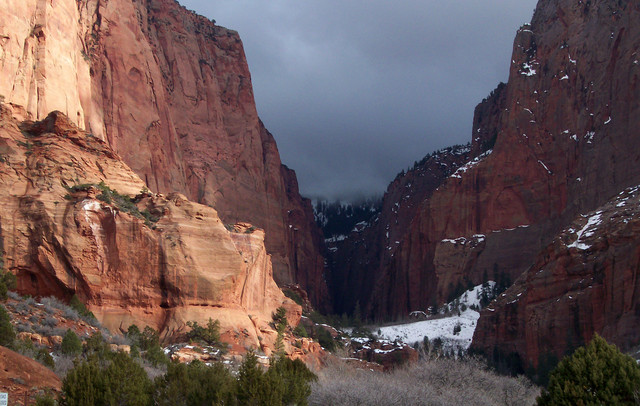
(134, 256)
(585, 281)
(566, 140)
(171, 93)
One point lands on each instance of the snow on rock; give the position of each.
(458, 173)
(587, 231)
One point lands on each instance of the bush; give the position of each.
(122, 382)
(82, 310)
(195, 384)
(71, 343)
(7, 333)
(300, 331)
(596, 374)
(434, 382)
(7, 282)
(209, 335)
(43, 357)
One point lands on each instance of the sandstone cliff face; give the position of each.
(171, 93)
(61, 241)
(585, 281)
(566, 126)
(363, 257)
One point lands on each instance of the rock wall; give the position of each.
(584, 281)
(171, 93)
(134, 257)
(566, 141)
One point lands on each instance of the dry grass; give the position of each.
(435, 382)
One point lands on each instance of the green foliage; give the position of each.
(296, 378)
(300, 331)
(7, 333)
(122, 382)
(71, 343)
(156, 356)
(82, 310)
(45, 400)
(279, 318)
(293, 295)
(596, 374)
(122, 202)
(286, 382)
(325, 339)
(250, 382)
(209, 335)
(43, 357)
(195, 384)
(7, 282)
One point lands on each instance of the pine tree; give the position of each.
(71, 343)
(596, 374)
(7, 333)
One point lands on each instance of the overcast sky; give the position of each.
(354, 91)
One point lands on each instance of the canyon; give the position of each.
(136, 173)
(555, 142)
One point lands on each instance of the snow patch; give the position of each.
(587, 231)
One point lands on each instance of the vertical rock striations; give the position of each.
(566, 140)
(171, 93)
(148, 259)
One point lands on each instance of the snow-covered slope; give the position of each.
(444, 327)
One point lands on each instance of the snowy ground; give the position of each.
(442, 328)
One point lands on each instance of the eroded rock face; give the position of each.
(585, 281)
(155, 260)
(566, 141)
(171, 93)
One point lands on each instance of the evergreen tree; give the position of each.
(209, 335)
(7, 282)
(597, 374)
(71, 343)
(7, 333)
(195, 384)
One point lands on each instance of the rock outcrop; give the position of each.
(585, 281)
(171, 93)
(74, 219)
(566, 141)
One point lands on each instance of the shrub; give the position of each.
(7, 333)
(300, 331)
(43, 357)
(209, 335)
(82, 310)
(295, 377)
(122, 382)
(195, 384)
(596, 374)
(45, 400)
(71, 343)
(434, 382)
(7, 282)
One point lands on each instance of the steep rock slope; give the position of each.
(369, 249)
(171, 93)
(586, 280)
(151, 260)
(566, 126)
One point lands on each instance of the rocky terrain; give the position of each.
(131, 255)
(584, 281)
(557, 140)
(170, 92)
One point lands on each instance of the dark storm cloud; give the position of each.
(356, 91)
